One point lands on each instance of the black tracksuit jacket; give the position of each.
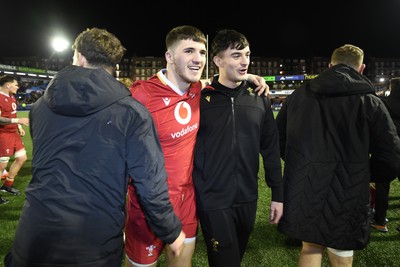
(236, 126)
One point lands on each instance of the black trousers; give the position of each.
(381, 202)
(226, 233)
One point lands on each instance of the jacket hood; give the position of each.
(341, 80)
(78, 91)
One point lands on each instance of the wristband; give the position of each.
(14, 120)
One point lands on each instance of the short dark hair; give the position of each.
(184, 32)
(7, 79)
(228, 38)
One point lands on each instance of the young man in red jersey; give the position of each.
(10, 133)
(173, 98)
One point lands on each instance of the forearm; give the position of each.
(4, 120)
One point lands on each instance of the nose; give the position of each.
(198, 57)
(245, 61)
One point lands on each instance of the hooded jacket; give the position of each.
(328, 130)
(89, 135)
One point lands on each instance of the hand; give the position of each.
(262, 86)
(178, 244)
(21, 131)
(275, 212)
(23, 121)
(205, 82)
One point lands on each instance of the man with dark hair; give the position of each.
(236, 126)
(10, 134)
(87, 121)
(173, 98)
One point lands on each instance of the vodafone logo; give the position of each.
(183, 113)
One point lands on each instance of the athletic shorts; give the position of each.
(141, 245)
(10, 143)
(341, 253)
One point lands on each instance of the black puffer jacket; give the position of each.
(328, 129)
(88, 136)
(236, 126)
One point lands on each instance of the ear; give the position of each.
(362, 68)
(217, 61)
(82, 62)
(169, 56)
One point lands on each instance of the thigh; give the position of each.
(185, 258)
(18, 144)
(220, 236)
(340, 257)
(141, 245)
(185, 208)
(7, 144)
(246, 219)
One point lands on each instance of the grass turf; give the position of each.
(267, 247)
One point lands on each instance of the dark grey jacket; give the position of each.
(328, 130)
(89, 135)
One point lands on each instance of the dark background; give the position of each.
(274, 28)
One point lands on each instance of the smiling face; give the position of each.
(11, 87)
(185, 62)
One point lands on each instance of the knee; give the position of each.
(21, 159)
(312, 248)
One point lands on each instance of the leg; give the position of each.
(20, 158)
(381, 202)
(311, 255)
(247, 217)
(372, 195)
(185, 208)
(220, 236)
(339, 258)
(185, 258)
(142, 247)
(7, 149)
(6, 187)
(4, 174)
(3, 163)
(130, 263)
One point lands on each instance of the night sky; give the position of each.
(274, 29)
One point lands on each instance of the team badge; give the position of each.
(150, 250)
(250, 91)
(214, 244)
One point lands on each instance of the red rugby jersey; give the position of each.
(176, 115)
(8, 108)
